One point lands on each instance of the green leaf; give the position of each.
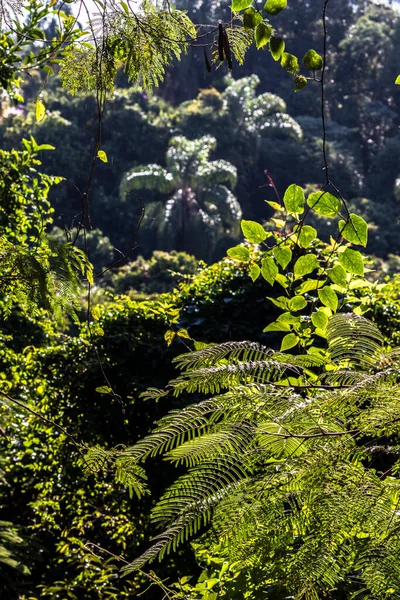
(329, 298)
(294, 199)
(40, 110)
(397, 82)
(251, 18)
(305, 235)
(239, 253)
(305, 265)
(269, 270)
(319, 319)
(309, 285)
(281, 302)
(241, 4)
(288, 318)
(44, 147)
(283, 256)
(355, 230)
(183, 333)
(338, 275)
(254, 232)
(262, 34)
(352, 261)
(289, 341)
(300, 82)
(297, 303)
(276, 47)
(324, 203)
(275, 205)
(104, 389)
(102, 156)
(282, 280)
(275, 326)
(125, 7)
(290, 63)
(312, 61)
(254, 272)
(273, 7)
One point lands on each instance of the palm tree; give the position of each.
(201, 209)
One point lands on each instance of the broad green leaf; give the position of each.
(277, 47)
(312, 61)
(297, 303)
(294, 199)
(309, 286)
(263, 34)
(305, 265)
(269, 270)
(290, 63)
(338, 275)
(352, 261)
(329, 298)
(305, 235)
(397, 81)
(355, 230)
(104, 389)
(102, 156)
(239, 253)
(289, 341)
(319, 319)
(254, 272)
(283, 256)
(273, 7)
(324, 203)
(251, 18)
(288, 318)
(300, 82)
(281, 302)
(40, 110)
(241, 4)
(254, 232)
(275, 326)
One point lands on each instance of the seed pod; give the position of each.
(207, 62)
(227, 49)
(221, 42)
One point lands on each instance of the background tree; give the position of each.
(202, 210)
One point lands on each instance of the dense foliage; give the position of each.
(290, 439)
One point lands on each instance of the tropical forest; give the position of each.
(199, 299)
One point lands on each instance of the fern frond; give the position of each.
(354, 339)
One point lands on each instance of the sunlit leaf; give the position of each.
(263, 34)
(312, 61)
(355, 230)
(324, 203)
(273, 7)
(352, 261)
(329, 298)
(269, 270)
(253, 231)
(40, 110)
(289, 341)
(305, 265)
(277, 48)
